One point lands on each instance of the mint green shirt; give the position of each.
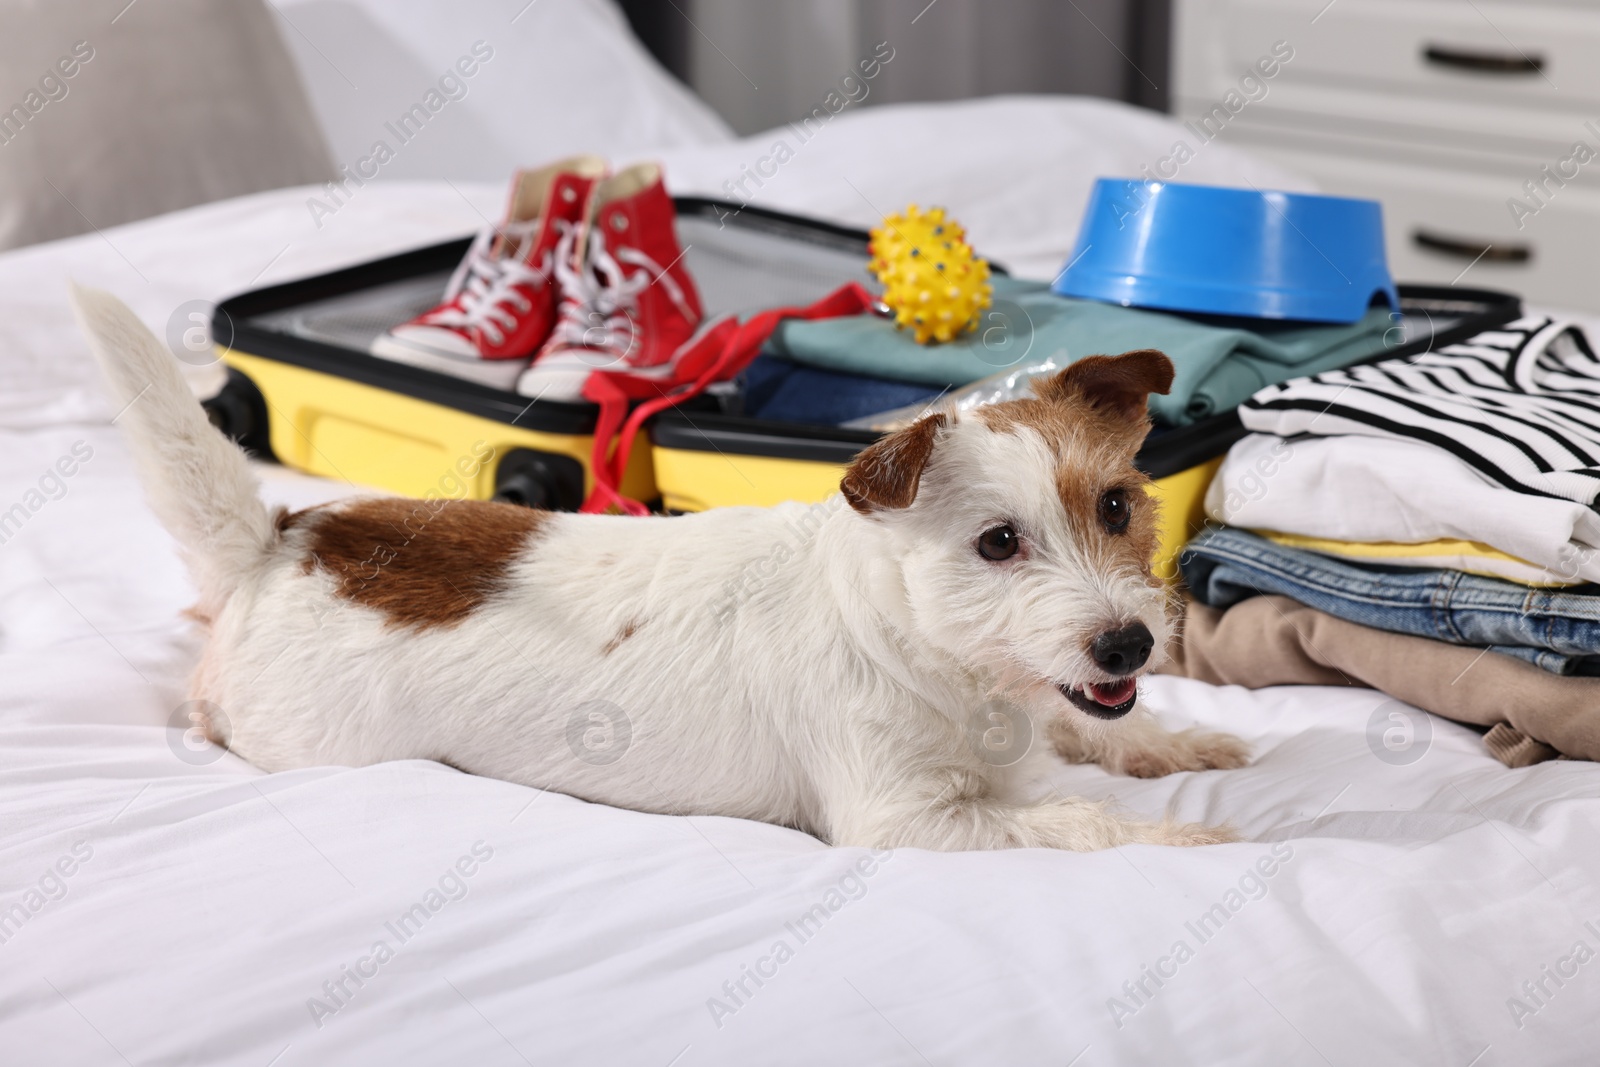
(1219, 361)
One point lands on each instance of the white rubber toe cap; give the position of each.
(555, 376)
(432, 339)
(446, 351)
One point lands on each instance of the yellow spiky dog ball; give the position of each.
(932, 282)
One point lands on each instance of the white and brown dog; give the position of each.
(821, 668)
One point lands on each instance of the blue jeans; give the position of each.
(1557, 630)
(790, 392)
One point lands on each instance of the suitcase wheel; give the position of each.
(541, 480)
(240, 411)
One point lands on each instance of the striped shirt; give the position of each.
(1520, 404)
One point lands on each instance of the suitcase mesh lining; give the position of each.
(737, 270)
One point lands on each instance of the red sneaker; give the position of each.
(627, 300)
(500, 304)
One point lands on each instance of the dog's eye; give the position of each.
(1114, 510)
(998, 543)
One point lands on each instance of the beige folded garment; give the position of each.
(1272, 640)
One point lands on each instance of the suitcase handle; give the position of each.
(1460, 248)
(1482, 62)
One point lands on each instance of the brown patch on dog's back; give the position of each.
(284, 520)
(421, 563)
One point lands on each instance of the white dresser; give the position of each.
(1475, 123)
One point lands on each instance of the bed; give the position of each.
(163, 902)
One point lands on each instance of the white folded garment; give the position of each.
(1372, 489)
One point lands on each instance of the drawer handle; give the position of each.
(1483, 62)
(1473, 250)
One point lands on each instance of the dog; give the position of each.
(833, 668)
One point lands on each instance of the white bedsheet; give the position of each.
(209, 903)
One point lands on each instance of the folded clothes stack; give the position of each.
(1449, 497)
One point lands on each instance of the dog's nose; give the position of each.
(1122, 651)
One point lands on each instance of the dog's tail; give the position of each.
(198, 482)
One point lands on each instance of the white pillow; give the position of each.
(512, 83)
(111, 112)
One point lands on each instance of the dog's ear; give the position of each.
(886, 474)
(1121, 384)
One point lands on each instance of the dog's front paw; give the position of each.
(1191, 750)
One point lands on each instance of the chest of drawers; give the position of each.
(1475, 123)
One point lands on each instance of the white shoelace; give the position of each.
(598, 299)
(486, 283)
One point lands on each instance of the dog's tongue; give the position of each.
(1113, 693)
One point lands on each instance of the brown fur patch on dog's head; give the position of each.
(886, 473)
(1118, 384)
(421, 563)
(1097, 399)
(1094, 416)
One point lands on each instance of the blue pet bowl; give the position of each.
(1219, 251)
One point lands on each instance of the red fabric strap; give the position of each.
(718, 354)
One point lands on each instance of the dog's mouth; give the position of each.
(1104, 700)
